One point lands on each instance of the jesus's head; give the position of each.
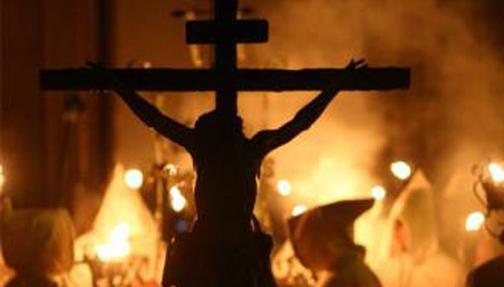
(218, 128)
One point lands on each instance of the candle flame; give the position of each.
(298, 210)
(118, 246)
(171, 169)
(401, 170)
(496, 172)
(178, 201)
(379, 192)
(474, 221)
(284, 187)
(133, 178)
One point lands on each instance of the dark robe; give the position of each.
(352, 273)
(490, 274)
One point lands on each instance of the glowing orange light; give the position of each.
(133, 178)
(117, 246)
(298, 210)
(474, 221)
(178, 201)
(379, 192)
(496, 172)
(2, 177)
(171, 168)
(283, 187)
(147, 65)
(401, 170)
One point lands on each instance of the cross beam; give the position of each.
(208, 80)
(225, 32)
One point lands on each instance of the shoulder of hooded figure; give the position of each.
(356, 274)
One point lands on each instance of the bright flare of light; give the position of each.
(2, 177)
(496, 172)
(171, 168)
(133, 178)
(147, 65)
(379, 192)
(401, 170)
(118, 246)
(474, 221)
(298, 210)
(283, 187)
(178, 201)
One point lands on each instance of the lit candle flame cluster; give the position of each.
(476, 220)
(400, 170)
(284, 188)
(117, 246)
(133, 178)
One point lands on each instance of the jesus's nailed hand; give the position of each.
(347, 77)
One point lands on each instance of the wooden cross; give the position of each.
(225, 32)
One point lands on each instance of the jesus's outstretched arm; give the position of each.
(148, 113)
(268, 140)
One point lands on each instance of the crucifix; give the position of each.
(225, 31)
(229, 250)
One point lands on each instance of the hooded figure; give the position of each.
(38, 245)
(323, 241)
(414, 256)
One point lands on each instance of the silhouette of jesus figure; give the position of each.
(224, 248)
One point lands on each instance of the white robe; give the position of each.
(436, 270)
(416, 260)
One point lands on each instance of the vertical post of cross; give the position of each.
(225, 31)
(225, 60)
